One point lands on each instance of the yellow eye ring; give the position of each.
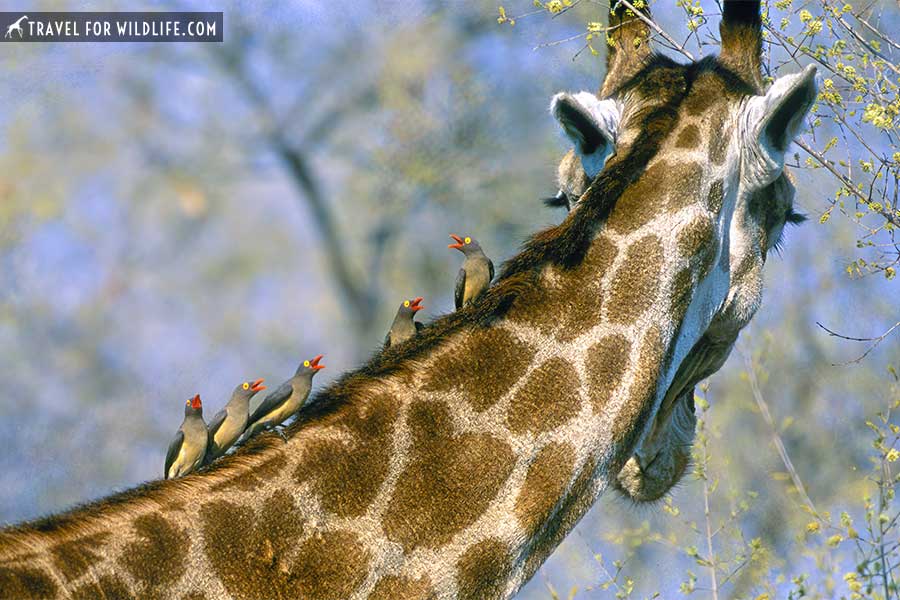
(406, 303)
(305, 363)
(468, 240)
(246, 386)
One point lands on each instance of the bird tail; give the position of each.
(559, 200)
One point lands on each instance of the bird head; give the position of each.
(193, 406)
(310, 367)
(249, 388)
(411, 307)
(466, 245)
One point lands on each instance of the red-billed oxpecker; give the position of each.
(476, 273)
(404, 326)
(285, 401)
(187, 450)
(230, 422)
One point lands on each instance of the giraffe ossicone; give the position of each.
(451, 465)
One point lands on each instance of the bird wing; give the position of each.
(174, 449)
(216, 423)
(272, 401)
(490, 271)
(419, 326)
(460, 290)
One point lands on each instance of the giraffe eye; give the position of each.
(406, 303)
(468, 240)
(305, 363)
(246, 386)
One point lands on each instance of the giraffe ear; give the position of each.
(591, 124)
(774, 120)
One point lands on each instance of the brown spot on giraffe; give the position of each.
(685, 191)
(689, 137)
(449, 482)
(635, 284)
(572, 507)
(25, 583)
(531, 305)
(347, 475)
(544, 485)
(696, 241)
(715, 197)
(636, 207)
(568, 302)
(606, 362)
(482, 570)
(682, 289)
(157, 559)
(627, 426)
(194, 596)
(393, 587)
(329, 565)
(547, 399)
(583, 309)
(482, 366)
(74, 557)
(107, 587)
(248, 548)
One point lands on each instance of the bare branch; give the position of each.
(876, 340)
(776, 438)
(363, 305)
(889, 216)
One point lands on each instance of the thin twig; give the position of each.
(776, 438)
(709, 543)
(890, 217)
(874, 30)
(877, 340)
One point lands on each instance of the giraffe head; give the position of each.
(719, 136)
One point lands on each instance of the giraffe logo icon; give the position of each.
(16, 26)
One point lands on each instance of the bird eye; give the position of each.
(305, 363)
(468, 240)
(246, 386)
(406, 303)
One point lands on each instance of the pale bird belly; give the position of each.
(476, 282)
(228, 432)
(185, 460)
(279, 415)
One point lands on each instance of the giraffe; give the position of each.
(452, 465)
